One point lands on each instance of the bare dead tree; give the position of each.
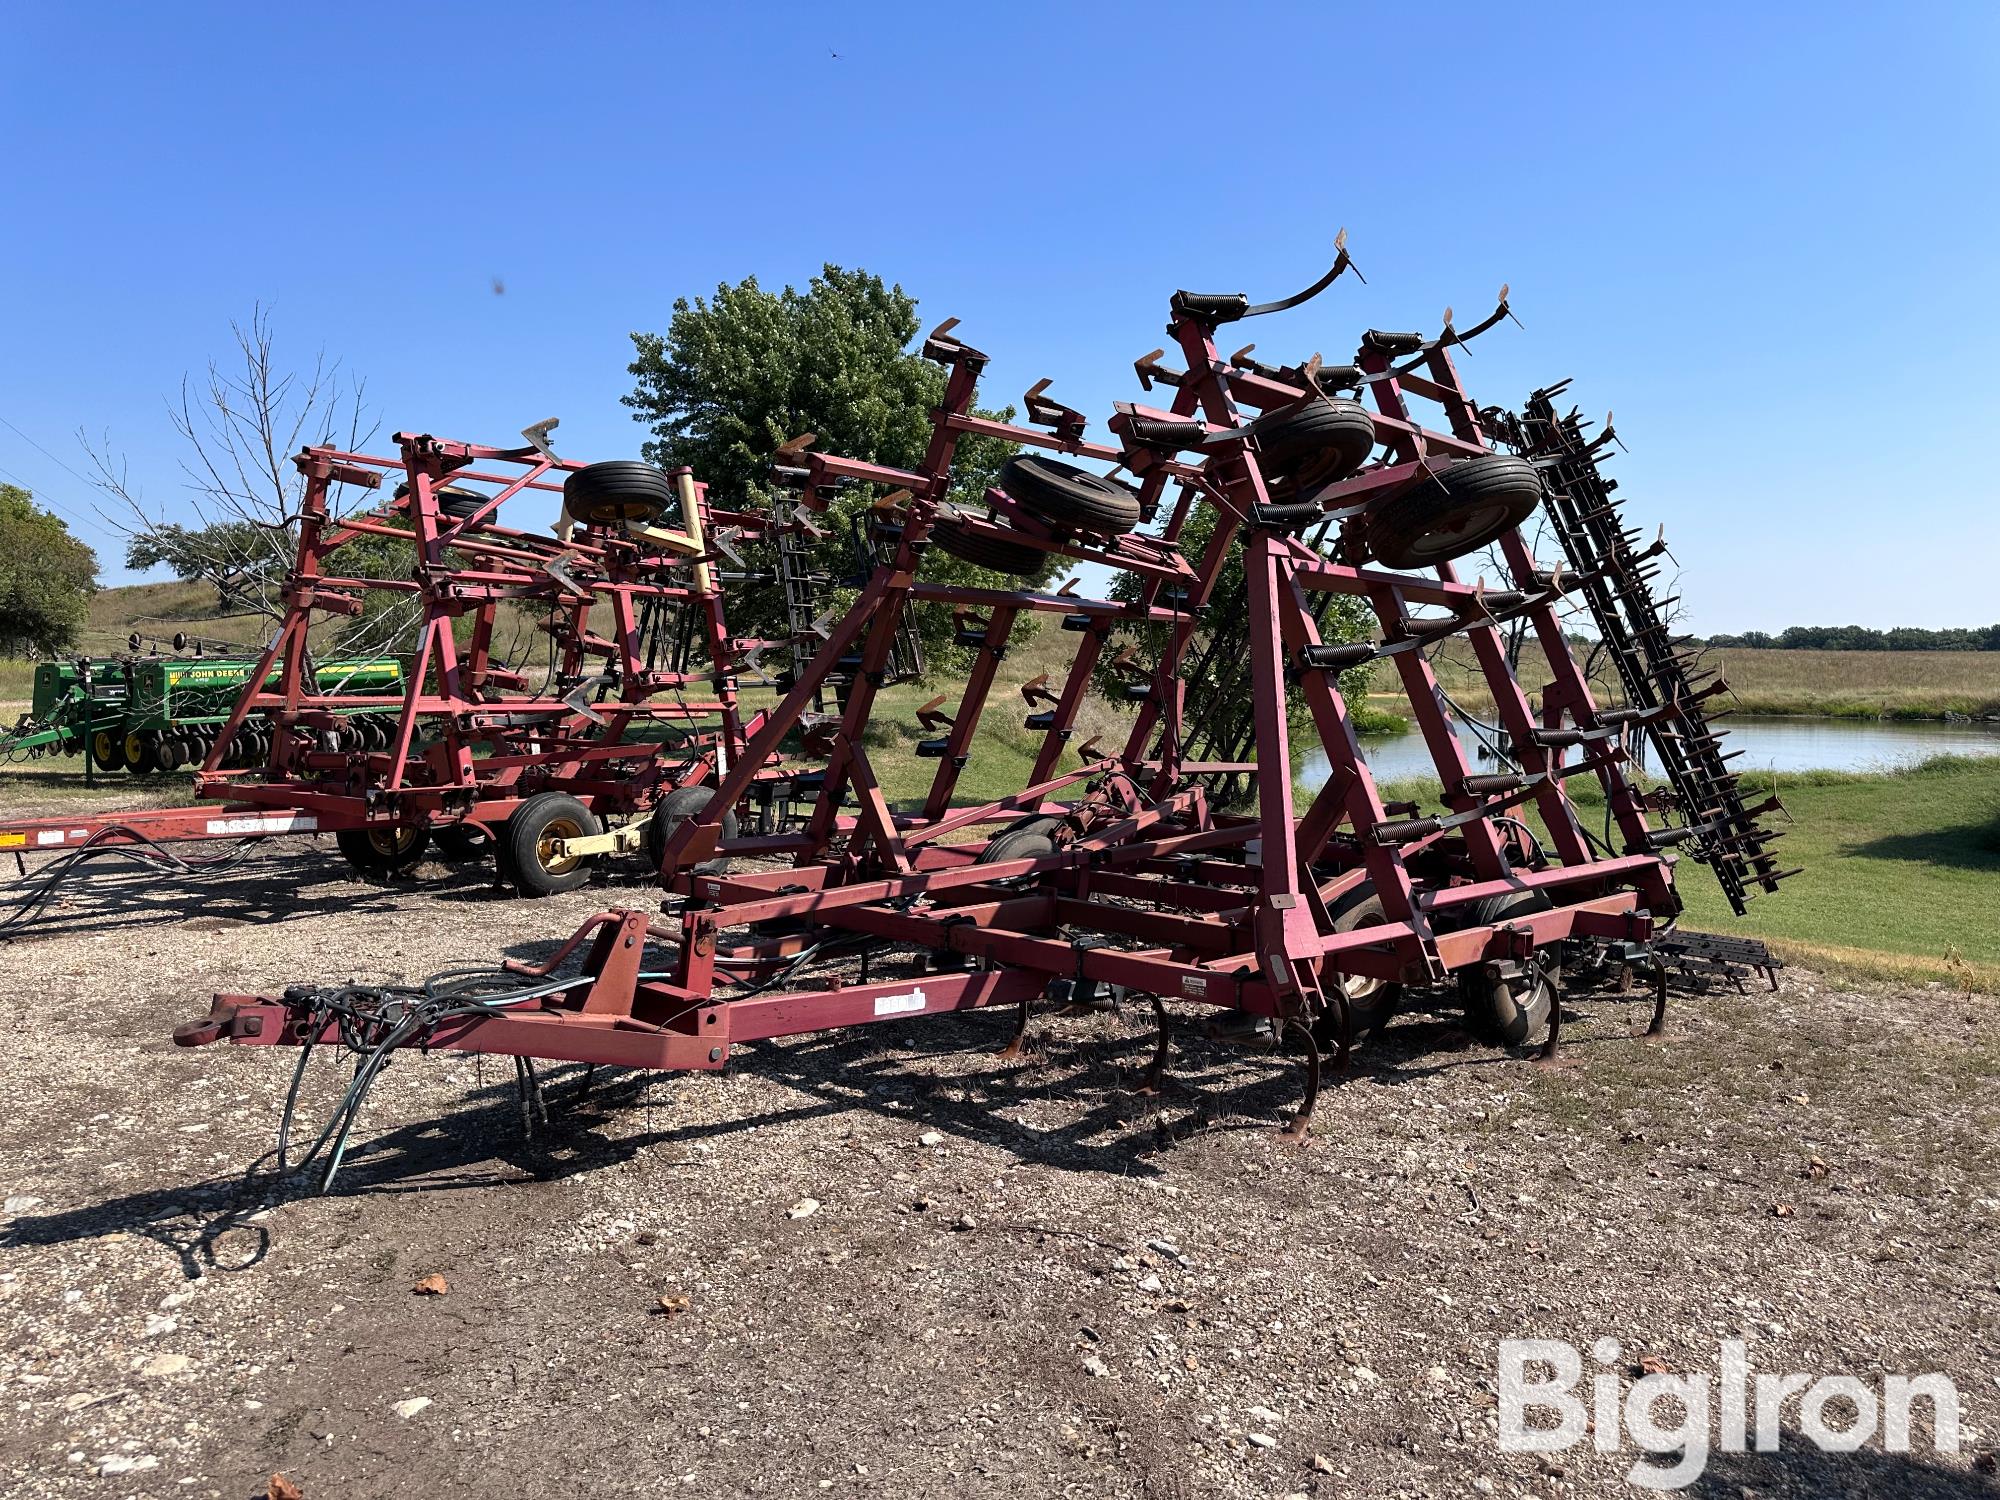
(242, 424)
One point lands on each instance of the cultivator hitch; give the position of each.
(1180, 864)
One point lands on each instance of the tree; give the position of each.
(46, 578)
(242, 424)
(736, 375)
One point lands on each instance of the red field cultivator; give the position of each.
(620, 701)
(1119, 870)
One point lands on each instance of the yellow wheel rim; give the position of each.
(555, 832)
(391, 843)
(105, 746)
(134, 748)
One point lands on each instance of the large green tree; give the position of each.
(737, 374)
(46, 578)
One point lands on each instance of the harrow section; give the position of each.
(1305, 919)
(1666, 693)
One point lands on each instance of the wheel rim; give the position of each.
(392, 843)
(1357, 988)
(554, 832)
(135, 748)
(1448, 538)
(104, 745)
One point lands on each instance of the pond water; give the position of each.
(1776, 744)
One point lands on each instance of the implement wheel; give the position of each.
(1017, 558)
(617, 490)
(107, 750)
(1452, 512)
(1301, 450)
(1515, 1003)
(383, 851)
(1025, 838)
(1370, 1001)
(675, 809)
(1065, 495)
(141, 753)
(530, 844)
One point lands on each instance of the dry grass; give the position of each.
(1829, 684)
(1864, 684)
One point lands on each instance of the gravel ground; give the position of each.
(1021, 1278)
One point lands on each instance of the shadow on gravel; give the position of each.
(1086, 1075)
(270, 887)
(216, 1225)
(1800, 1469)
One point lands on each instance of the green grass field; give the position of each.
(1902, 871)
(1902, 874)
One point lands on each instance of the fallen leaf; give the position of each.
(672, 1304)
(1816, 1169)
(281, 1488)
(805, 1208)
(1654, 1364)
(1781, 1210)
(432, 1285)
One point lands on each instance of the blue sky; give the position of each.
(1763, 234)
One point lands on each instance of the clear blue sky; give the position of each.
(1763, 234)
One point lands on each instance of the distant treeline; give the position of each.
(1861, 638)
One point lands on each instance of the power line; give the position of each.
(82, 478)
(47, 499)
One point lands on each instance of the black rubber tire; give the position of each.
(617, 490)
(461, 841)
(1510, 1012)
(383, 851)
(454, 502)
(1455, 511)
(1067, 496)
(675, 809)
(1370, 1002)
(1299, 451)
(458, 503)
(141, 753)
(987, 552)
(107, 750)
(1027, 838)
(530, 863)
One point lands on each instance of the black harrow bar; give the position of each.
(1666, 692)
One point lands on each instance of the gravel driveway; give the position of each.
(1021, 1278)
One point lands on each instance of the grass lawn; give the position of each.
(1902, 874)
(1902, 870)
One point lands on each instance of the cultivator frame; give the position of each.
(1122, 872)
(464, 740)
